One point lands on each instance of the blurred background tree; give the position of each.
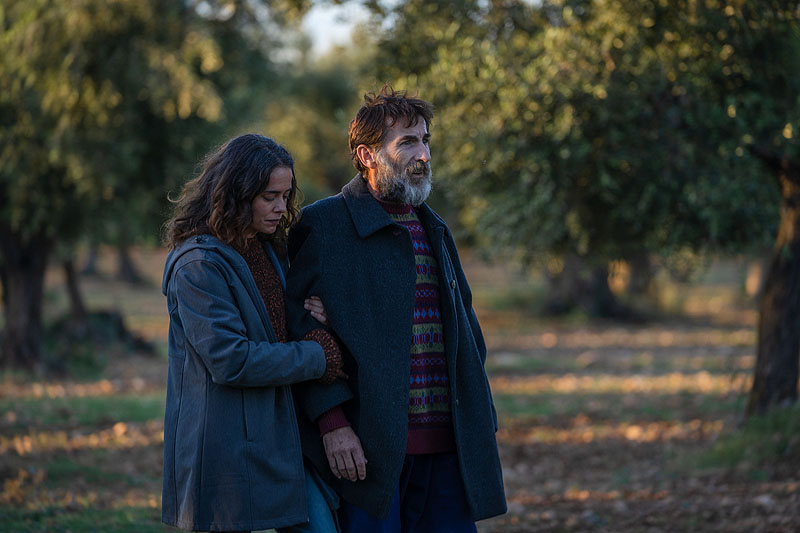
(575, 133)
(104, 107)
(312, 121)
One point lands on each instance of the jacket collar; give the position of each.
(368, 215)
(209, 242)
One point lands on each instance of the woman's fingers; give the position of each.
(314, 306)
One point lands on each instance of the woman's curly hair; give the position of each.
(219, 200)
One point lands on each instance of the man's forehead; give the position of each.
(403, 125)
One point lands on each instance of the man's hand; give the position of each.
(345, 455)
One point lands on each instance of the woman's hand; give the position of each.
(314, 305)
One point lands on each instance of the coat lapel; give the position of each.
(367, 214)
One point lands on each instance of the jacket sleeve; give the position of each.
(213, 325)
(307, 278)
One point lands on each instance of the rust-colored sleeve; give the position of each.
(333, 354)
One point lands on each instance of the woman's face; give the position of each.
(270, 206)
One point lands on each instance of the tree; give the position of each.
(312, 119)
(67, 73)
(602, 129)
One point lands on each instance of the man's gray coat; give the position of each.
(348, 251)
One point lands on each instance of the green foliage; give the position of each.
(105, 106)
(311, 119)
(603, 128)
(88, 92)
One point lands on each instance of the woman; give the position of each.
(232, 458)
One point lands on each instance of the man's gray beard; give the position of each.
(393, 182)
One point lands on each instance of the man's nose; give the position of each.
(424, 153)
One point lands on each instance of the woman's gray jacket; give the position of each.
(232, 458)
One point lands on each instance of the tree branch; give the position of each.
(777, 164)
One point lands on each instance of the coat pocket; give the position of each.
(258, 409)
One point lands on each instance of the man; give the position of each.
(408, 439)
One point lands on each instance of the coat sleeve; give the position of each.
(307, 278)
(213, 325)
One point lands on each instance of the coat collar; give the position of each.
(368, 215)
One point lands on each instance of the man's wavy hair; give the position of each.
(381, 111)
(219, 200)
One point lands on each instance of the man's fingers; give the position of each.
(341, 471)
(361, 464)
(350, 466)
(332, 464)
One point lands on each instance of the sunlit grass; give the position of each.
(702, 382)
(81, 410)
(17, 387)
(530, 408)
(121, 435)
(653, 339)
(583, 431)
(622, 360)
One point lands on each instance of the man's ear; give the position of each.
(365, 155)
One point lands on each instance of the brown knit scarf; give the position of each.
(269, 284)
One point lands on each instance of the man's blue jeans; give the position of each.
(430, 498)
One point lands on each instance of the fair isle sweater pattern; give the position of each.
(429, 421)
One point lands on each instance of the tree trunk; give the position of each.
(583, 286)
(77, 309)
(127, 270)
(776, 371)
(642, 273)
(90, 267)
(23, 268)
(560, 296)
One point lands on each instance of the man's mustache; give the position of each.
(421, 166)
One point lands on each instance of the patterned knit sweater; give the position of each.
(430, 428)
